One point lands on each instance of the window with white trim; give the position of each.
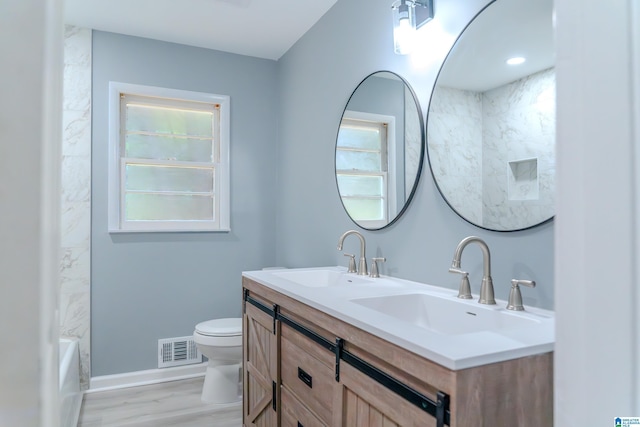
(169, 160)
(363, 154)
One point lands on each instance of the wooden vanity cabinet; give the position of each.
(284, 364)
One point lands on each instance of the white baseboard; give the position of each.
(151, 376)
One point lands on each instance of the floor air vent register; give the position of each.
(178, 351)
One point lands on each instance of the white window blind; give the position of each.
(169, 166)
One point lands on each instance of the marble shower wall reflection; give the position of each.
(518, 154)
(493, 152)
(412, 142)
(455, 148)
(75, 269)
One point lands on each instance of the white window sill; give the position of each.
(202, 230)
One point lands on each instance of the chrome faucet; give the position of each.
(486, 289)
(362, 266)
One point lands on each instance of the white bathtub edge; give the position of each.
(70, 397)
(151, 376)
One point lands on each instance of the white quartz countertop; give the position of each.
(519, 334)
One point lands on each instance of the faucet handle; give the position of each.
(464, 292)
(374, 266)
(352, 263)
(515, 296)
(458, 271)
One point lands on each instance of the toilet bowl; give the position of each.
(220, 340)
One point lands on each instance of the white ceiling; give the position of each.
(268, 28)
(504, 30)
(259, 28)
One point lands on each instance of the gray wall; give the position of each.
(159, 285)
(316, 77)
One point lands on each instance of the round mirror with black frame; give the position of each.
(379, 150)
(491, 118)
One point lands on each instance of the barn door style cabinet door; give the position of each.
(305, 368)
(260, 368)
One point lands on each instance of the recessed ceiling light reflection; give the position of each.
(516, 60)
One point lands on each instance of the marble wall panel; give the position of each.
(75, 219)
(75, 267)
(77, 130)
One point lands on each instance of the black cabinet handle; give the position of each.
(305, 378)
(274, 391)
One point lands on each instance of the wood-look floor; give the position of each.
(175, 403)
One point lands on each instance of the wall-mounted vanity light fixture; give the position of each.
(408, 16)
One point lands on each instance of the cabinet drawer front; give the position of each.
(308, 378)
(294, 414)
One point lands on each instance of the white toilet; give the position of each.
(220, 340)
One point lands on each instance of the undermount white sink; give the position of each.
(446, 316)
(320, 277)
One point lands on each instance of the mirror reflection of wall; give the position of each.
(379, 150)
(491, 126)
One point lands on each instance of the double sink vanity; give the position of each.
(325, 347)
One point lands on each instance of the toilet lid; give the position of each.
(220, 327)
